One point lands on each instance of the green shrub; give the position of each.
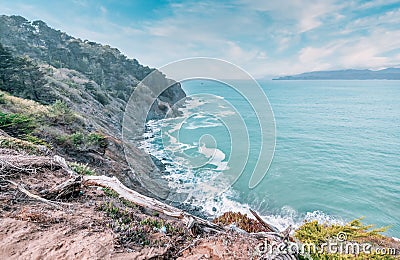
(102, 98)
(110, 193)
(354, 231)
(60, 113)
(313, 232)
(80, 140)
(97, 139)
(2, 98)
(35, 140)
(20, 145)
(62, 139)
(77, 138)
(81, 168)
(16, 124)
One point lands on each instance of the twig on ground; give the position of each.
(267, 226)
(34, 196)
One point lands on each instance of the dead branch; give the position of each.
(12, 164)
(65, 189)
(194, 224)
(267, 226)
(31, 195)
(61, 161)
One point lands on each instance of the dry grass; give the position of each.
(22, 146)
(241, 221)
(23, 106)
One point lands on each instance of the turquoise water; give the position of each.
(336, 156)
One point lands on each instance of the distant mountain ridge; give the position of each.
(350, 74)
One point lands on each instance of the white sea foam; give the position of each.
(204, 124)
(216, 157)
(198, 183)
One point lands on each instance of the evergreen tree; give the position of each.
(6, 66)
(20, 76)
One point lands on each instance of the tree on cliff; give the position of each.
(20, 76)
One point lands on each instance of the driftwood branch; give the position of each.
(193, 223)
(36, 197)
(267, 226)
(65, 189)
(61, 161)
(13, 164)
(29, 164)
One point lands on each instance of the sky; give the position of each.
(264, 37)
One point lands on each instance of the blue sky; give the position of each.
(264, 37)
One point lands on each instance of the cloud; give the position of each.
(263, 37)
(103, 10)
(375, 3)
(305, 15)
(359, 52)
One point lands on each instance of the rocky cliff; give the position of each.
(93, 82)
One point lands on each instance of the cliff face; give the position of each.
(93, 80)
(80, 71)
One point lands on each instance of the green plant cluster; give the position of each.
(21, 77)
(110, 193)
(79, 139)
(35, 140)
(60, 113)
(125, 223)
(355, 231)
(313, 232)
(16, 124)
(158, 224)
(82, 169)
(20, 145)
(130, 227)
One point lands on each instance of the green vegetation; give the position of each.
(2, 98)
(157, 224)
(125, 223)
(134, 230)
(22, 77)
(352, 232)
(110, 193)
(35, 140)
(60, 113)
(77, 138)
(81, 168)
(20, 145)
(97, 139)
(16, 124)
(313, 232)
(80, 140)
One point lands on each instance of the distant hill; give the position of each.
(84, 86)
(351, 74)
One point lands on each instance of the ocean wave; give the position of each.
(197, 182)
(202, 192)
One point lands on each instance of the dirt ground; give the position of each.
(95, 225)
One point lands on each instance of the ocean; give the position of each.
(336, 155)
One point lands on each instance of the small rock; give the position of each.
(163, 229)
